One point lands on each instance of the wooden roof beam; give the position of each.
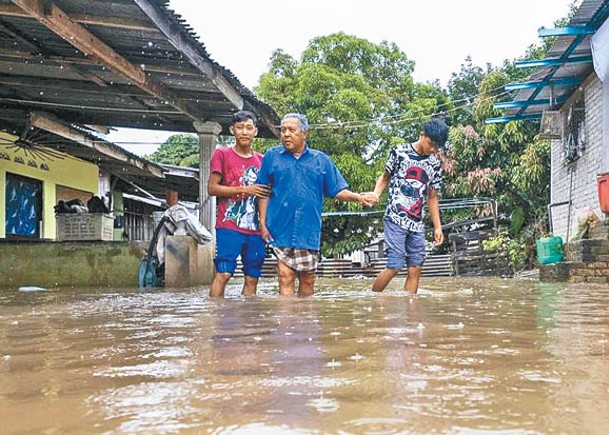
(36, 49)
(48, 123)
(9, 10)
(85, 87)
(58, 21)
(83, 61)
(204, 65)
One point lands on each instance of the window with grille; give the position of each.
(575, 132)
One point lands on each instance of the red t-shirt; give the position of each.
(237, 213)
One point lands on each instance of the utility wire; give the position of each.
(356, 124)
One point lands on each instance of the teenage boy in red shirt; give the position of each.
(233, 180)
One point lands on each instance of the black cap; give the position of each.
(437, 131)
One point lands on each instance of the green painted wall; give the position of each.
(68, 172)
(70, 264)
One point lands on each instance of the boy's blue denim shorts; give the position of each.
(230, 244)
(403, 246)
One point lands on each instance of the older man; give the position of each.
(290, 219)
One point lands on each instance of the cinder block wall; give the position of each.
(70, 264)
(577, 181)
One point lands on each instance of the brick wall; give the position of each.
(577, 181)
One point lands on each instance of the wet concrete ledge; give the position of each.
(70, 264)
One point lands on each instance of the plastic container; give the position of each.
(85, 226)
(602, 183)
(549, 250)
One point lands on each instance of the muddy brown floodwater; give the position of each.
(475, 355)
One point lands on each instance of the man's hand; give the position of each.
(265, 234)
(371, 198)
(367, 199)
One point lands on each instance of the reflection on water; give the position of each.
(464, 356)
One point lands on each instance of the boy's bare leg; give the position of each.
(412, 280)
(219, 284)
(250, 284)
(383, 278)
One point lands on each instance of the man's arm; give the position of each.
(263, 204)
(433, 202)
(347, 195)
(216, 188)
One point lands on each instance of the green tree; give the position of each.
(508, 162)
(175, 149)
(463, 89)
(183, 150)
(360, 99)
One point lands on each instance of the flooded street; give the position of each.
(466, 356)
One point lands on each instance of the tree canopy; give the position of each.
(183, 150)
(360, 99)
(176, 149)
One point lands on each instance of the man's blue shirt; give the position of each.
(298, 186)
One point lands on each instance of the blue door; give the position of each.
(23, 206)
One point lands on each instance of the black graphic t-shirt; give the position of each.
(411, 176)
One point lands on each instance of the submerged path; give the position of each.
(466, 355)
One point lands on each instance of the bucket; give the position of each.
(549, 250)
(602, 183)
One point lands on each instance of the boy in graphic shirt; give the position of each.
(233, 180)
(414, 174)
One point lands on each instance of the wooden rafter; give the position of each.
(199, 62)
(117, 90)
(83, 61)
(52, 125)
(11, 10)
(61, 24)
(37, 50)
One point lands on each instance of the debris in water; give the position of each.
(32, 288)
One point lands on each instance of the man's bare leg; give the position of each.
(219, 284)
(287, 279)
(250, 284)
(383, 278)
(412, 280)
(306, 283)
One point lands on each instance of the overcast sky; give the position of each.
(436, 34)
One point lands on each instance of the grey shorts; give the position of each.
(403, 246)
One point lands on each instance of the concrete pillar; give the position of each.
(208, 133)
(187, 264)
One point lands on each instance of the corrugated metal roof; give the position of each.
(42, 69)
(567, 64)
(122, 63)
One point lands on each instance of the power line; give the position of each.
(351, 125)
(400, 118)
